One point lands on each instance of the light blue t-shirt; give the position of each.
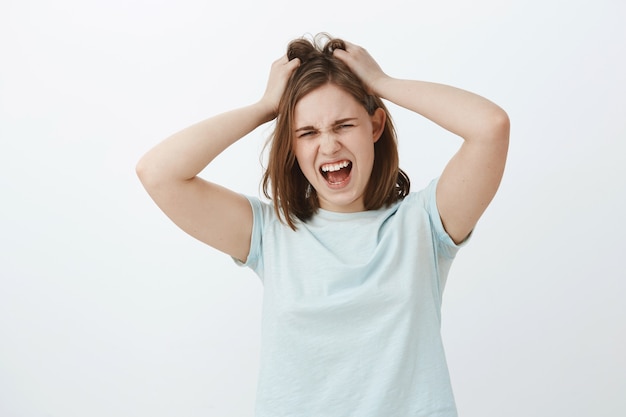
(352, 312)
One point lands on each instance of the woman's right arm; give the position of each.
(212, 214)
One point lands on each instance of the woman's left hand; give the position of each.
(362, 65)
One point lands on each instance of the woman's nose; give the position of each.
(329, 143)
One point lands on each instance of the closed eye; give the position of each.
(343, 126)
(306, 133)
(345, 123)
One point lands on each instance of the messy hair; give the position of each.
(283, 181)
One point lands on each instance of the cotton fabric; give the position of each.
(352, 311)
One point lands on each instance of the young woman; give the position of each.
(353, 265)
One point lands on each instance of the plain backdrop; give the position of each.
(107, 309)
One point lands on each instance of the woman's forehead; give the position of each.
(326, 105)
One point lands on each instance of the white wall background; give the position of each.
(106, 309)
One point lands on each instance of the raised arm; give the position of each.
(471, 178)
(213, 214)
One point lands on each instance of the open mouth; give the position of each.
(337, 172)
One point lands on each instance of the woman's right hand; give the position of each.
(281, 71)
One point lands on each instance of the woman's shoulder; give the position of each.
(261, 209)
(423, 196)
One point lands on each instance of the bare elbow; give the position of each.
(141, 169)
(500, 126)
(146, 172)
(492, 127)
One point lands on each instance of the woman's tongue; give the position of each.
(336, 177)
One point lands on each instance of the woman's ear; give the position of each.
(378, 123)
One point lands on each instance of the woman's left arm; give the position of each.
(471, 178)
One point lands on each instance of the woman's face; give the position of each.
(334, 140)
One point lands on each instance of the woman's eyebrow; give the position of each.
(337, 122)
(305, 128)
(347, 119)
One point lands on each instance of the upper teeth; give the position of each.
(334, 167)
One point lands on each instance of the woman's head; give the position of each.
(291, 191)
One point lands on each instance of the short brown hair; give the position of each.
(293, 196)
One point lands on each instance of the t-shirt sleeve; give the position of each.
(446, 245)
(255, 258)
